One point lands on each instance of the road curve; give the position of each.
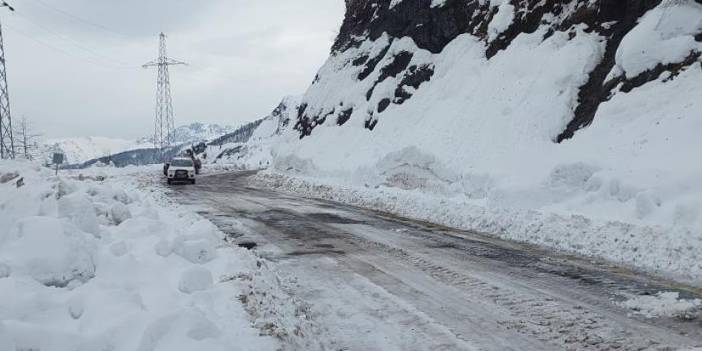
(379, 282)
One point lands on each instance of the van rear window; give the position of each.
(182, 163)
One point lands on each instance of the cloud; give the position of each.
(73, 66)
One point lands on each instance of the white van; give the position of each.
(181, 169)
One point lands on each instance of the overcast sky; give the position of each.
(74, 65)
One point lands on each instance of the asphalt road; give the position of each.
(379, 282)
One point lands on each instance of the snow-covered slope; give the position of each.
(252, 146)
(582, 109)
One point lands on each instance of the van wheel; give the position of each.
(192, 181)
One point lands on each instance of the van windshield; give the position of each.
(182, 163)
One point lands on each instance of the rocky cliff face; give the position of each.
(432, 25)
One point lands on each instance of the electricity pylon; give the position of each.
(164, 124)
(7, 141)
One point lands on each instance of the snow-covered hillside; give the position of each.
(586, 110)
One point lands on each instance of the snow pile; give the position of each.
(91, 265)
(662, 304)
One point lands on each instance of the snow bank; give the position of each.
(97, 265)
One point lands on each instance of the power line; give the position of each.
(79, 19)
(60, 50)
(76, 43)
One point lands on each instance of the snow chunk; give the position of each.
(574, 175)
(41, 249)
(663, 304)
(195, 279)
(194, 250)
(119, 213)
(119, 248)
(78, 208)
(163, 248)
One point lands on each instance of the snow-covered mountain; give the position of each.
(195, 132)
(584, 113)
(81, 149)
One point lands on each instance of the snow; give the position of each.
(394, 3)
(501, 21)
(664, 35)
(195, 279)
(94, 265)
(662, 304)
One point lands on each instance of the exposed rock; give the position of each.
(414, 77)
(383, 104)
(8, 177)
(344, 116)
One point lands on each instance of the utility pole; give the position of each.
(7, 141)
(164, 124)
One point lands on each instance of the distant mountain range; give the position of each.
(82, 149)
(195, 132)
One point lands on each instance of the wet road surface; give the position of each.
(379, 282)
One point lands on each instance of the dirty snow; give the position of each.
(666, 304)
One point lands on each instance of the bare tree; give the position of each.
(26, 141)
